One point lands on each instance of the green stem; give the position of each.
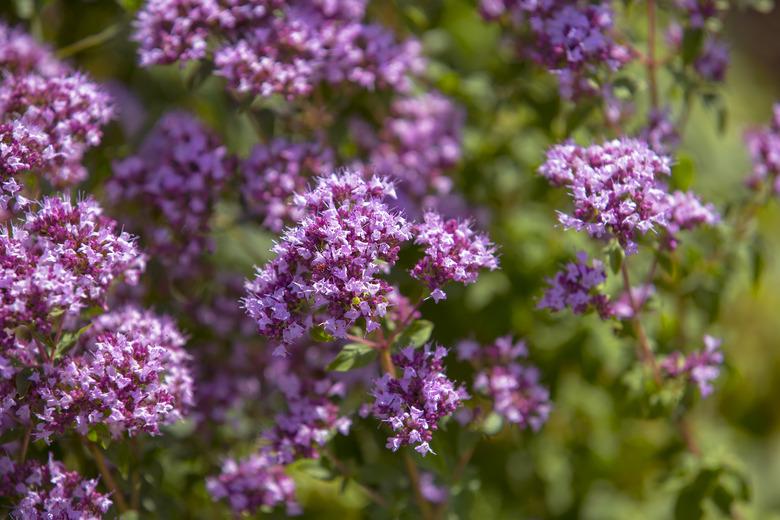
(116, 493)
(93, 40)
(644, 351)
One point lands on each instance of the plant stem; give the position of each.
(93, 40)
(364, 341)
(651, 63)
(25, 445)
(116, 493)
(644, 351)
(687, 435)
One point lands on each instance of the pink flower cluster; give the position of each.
(570, 38)
(578, 288)
(61, 259)
(764, 147)
(453, 252)
(514, 388)
(326, 267)
(701, 367)
(618, 193)
(414, 402)
(175, 180)
(49, 114)
(50, 491)
(253, 483)
(277, 47)
(273, 173)
(419, 142)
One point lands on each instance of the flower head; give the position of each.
(701, 367)
(326, 267)
(50, 491)
(452, 252)
(577, 287)
(253, 483)
(414, 402)
(513, 387)
(614, 187)
(175, 178)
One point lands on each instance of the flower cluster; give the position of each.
(701, 367)
(252, 483)
(325, 269)
(176, 178)
(453, 252)
(577, 287)
(417, 144)
(713, 62)
(310, 421)
(571, 39)
(514, 388)
(698, 12)
(713, 59)
(161, 332)
(686, 211)
(279, 47)
(273, 173)
(614, 187)
(660, 133)
(49, 491)
(127, 384)
(61, 258)
(764, 147)
(49, 115)
(414, 403)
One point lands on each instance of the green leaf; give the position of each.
(615, 254)
(23, 381)
(320, 335)
(416, 334)
(492, 424)
(352, 355)
(99, 434)
(693, 40)
(69, 339)
(131, 6)
(683, 172)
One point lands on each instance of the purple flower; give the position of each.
(686, 211)
(50, 491)
(432, 492)
(514, 388)
(614, 188)
(277, 47)
(275, 172)
(175, 180)
(570, 38)
(577, 287)
(623, 307)
(713, 62)
(413, 403)
(48, 122)
(698, 12)
(127, 383)
(311, 419)
(764, 147)
(660, 133)
(253, 483)
(701, 367)
(62, 257)
(159, 331)
(326, 267)
(417, 144)
(453, 252)
(21, 54)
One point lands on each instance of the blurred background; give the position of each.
(600, 456)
